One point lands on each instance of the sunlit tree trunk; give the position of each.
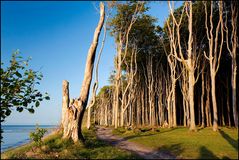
(232, 46)
(191, 100)
(117, 83)
(143, 108)
(65, 121)
(214, 55)
(202, 101)
(95, 86)
(128, 91)
(207, 107)
(81, 102)
(189, 63)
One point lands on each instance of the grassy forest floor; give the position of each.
(204, 144)
(179, 141)
(54, 147)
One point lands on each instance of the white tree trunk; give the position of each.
(65, 105)
(191, 101)
(81, 102)
(234, 99)
(214, 103)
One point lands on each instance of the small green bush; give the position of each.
(37, 135)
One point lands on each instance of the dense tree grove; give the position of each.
(181, 74)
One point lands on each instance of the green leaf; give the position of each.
(8, 112)
(18, 87)
(25, 104)
(15, 103)
(31, 110)
(47, 98)
(37, 103)
(19, 109)
(28, 81)
(18, 74)
(32, 97)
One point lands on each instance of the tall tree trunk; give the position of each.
(191, 101)
(202, 102)
(207, 105)
(138, 108)
(117, 84)
(191, 71)
(95, 86)
(169, 112)
(146, 107)
(214, 54)
(223, 114)
(106, 115)
(190, 62)
(232, 47)
(65, 122)
(184, 114)
(113, 110)
(228, 105)
(188, 115)
(174, 104)
(142, 103)
(234, 99)
(214, 103)
(81, 102)
(88, 117)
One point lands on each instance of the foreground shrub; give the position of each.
(37, 135)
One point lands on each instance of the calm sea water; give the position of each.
(16, 135)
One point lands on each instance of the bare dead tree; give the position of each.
(80, 104)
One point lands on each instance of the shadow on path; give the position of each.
(206, 154)
(176, 148)
(231, 141)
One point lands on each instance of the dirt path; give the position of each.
(105, 134)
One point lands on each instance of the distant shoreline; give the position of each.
(51, 130)
(29, 125)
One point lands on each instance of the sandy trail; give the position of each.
(105, 134)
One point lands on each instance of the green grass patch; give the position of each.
(55, 147)
(119, 131)
(204, 144)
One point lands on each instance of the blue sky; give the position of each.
(57, 36)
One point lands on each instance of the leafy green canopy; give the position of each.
(18, 87)
(144, 34)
